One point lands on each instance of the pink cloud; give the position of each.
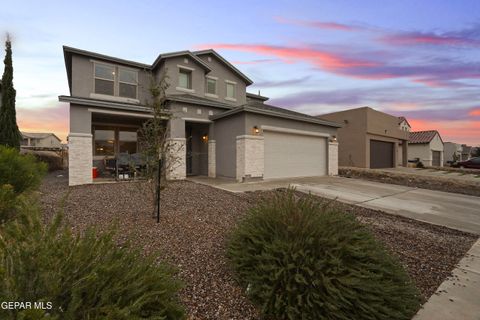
(419, 38)
(317, 24)
(460, 131)
(475, 112)
(258, 61)
(45, 119)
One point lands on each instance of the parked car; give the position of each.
(473, 163)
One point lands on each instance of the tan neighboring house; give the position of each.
(426, 146)
(40, 140)
(369, 138)
(451, 152)
(217, 128)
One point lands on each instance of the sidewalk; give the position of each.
(458, 297)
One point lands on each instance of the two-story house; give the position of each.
(219, 129)
(40, 140)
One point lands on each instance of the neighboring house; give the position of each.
(40, 140)
(369, 138)
(426, 146)
(466, 152)
(219, 129)
(404, 126)
(451, 152)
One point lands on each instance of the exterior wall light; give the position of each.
(256, 130)
(334, 138)
(205, 138)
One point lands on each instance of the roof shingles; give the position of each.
(422, 136)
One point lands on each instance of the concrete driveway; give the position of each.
(452, 210)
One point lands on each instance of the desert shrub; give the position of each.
(420, 165)
(50, 158)
(22, 172)
(84, 276)
(297, 259)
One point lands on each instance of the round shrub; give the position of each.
(84, 276)
(22, 172)
(298, 259)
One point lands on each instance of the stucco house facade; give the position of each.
(426, 146)
(369, 138)
(40, 140)
(219, 129)
(451, 152)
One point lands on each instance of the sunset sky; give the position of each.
(418, 59)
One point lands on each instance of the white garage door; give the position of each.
(294, 155)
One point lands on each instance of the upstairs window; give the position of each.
(185, 78)
(230, 90)
(211, 86)
(104, 79)
(127, 83)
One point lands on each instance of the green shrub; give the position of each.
(8, 202)
(298, 259)
(420, 165)
(84, 277)
(23, 172)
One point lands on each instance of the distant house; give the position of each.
(403, 124)
(466, 152)
(426, 146)
(369, 138)
(40, 140)
(451, 152)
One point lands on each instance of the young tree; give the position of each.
(158, 152)
(9, 134)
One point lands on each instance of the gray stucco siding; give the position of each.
(258, 120)
(223, 73)
(226, 132)
(80, 119)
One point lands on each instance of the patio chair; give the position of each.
(124, 166)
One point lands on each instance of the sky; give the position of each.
(418, 59)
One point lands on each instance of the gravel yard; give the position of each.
(417, 178)
(196, 219)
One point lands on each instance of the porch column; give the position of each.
(79, 158)
(405, 153)
(212, 165)
(332, 158)
(175, 163)
(250, 157)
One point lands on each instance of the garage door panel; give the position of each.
(294, 155)
(381, 154)
(436, 157)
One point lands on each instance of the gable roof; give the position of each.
(225, 62)
(419, 137)
(401, 119)
(265, 109)
(164, 56)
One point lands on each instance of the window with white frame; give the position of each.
(127, 83)
(185, 78)
(104, 79)
(211, 86)
(230, 90)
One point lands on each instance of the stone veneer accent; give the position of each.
(176, 162)
(80, 158)
(212, 166)
(250, 157)
(332, 158)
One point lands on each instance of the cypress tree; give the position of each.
(9, 134)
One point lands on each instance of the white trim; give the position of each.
(248, 136)
(211, 95)
(294, 131)
(197, 120)
(82, 135)
(112, 98)
(211, 77)
(185, 89)
(120, 113)
(176, 139)
(230, 99)
(229, 81)
(185, 67)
